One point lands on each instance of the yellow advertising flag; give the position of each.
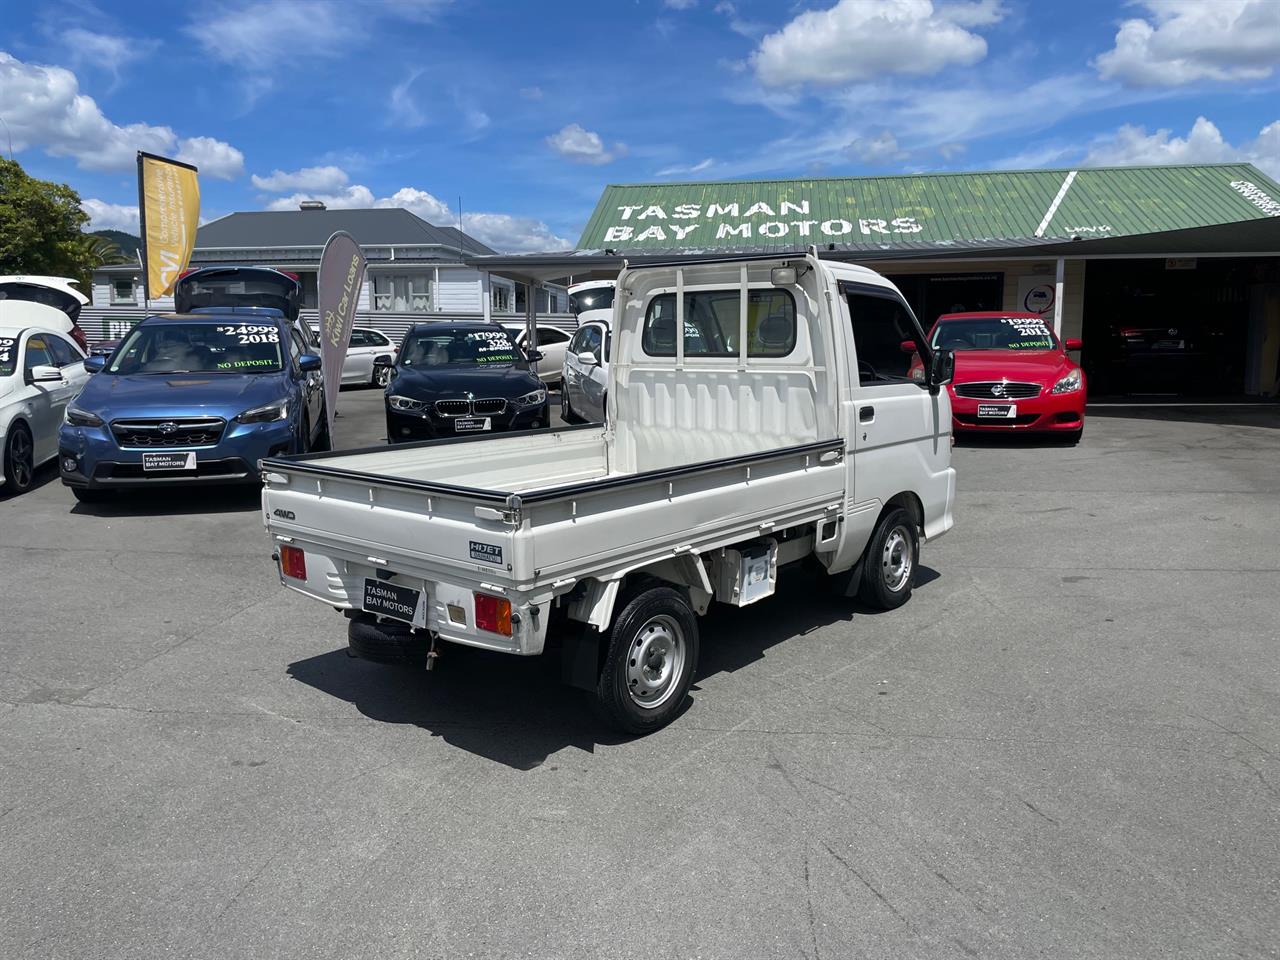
(169, 206)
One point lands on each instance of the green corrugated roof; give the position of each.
(929, 211)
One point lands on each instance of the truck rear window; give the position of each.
(711, 324)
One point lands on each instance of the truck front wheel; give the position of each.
(650, 662)
(889, 565)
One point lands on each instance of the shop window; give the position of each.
(401, 293)
(123, 291)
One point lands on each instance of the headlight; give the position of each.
(532, 398)
(81, 418)
(267, 413)
(1068, 384)
(405, 403)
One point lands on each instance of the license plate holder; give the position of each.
(472, 424)
(395, 600)
(997, 411)
(169, 460)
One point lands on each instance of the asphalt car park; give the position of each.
(1066, 744)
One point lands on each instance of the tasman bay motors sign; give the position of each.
(692, 223)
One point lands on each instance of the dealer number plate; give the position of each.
(472, 424)
(393, 600)
(997, 411)
(169, 461)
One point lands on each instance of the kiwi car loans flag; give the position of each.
(169, 206)
(337, 293)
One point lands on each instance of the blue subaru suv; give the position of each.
(193, 398)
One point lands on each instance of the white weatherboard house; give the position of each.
(417, 271)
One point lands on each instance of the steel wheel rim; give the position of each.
(655, 662)
(20, 459)
(896, 559)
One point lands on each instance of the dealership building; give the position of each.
(1170, 274)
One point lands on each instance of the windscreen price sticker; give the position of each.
(1027, 326)
(252, 333)
(492, 341)
(6, 348)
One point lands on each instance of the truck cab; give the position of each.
(760, 413)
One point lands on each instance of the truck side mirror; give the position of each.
(942, 369)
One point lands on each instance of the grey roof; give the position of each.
(268, 229)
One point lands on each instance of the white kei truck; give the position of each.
(761, 412)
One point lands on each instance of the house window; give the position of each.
(122, 291)
(393, 293)
(500, 299)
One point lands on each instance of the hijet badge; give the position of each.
(486, 552)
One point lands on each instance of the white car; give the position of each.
(50, 302)
(552, 343)
(592, 300)
(584, 387)
(365, 347)
(41, 371)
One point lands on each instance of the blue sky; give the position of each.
(526, 110)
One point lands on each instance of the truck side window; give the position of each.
(711, 324)
(880, 325)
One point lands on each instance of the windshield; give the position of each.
(8, 356)
(994, 333)
(459, 348)
(199, 348)
(599, 298)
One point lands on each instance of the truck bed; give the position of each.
(530, 512)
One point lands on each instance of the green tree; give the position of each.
(41, 227)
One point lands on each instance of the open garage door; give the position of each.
(1172, 327)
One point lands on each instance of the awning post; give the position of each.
(1057, 297)
(486, 296)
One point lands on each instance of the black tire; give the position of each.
(386, 642)
(85, 495)
(889, 564)
(323, 440)
(19, 460)
(566, 409)
(655, 639)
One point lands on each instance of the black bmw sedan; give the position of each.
(455, 378)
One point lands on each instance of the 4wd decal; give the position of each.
(486, 552)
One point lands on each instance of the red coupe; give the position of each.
(1012, 374)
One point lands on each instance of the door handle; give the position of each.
(866, 414)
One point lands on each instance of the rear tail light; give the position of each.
(78, 336)
(493, 614)
(294, 563)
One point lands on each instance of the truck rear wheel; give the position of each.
(889, 565)
(650, 662)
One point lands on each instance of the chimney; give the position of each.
(311, 205)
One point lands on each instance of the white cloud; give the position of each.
(104, 51)
(680, 170)
(1182, 41)
(428, 207)
(882, 148)
(857, 40)
(581, 146)
(501, 231)
(43, 107)
(950, 151)
(744, 28)
(509, 234)
(403, 107)
(214, 158)
(680, 4)
(1203, 144)
(531, 93)
(316, 179)
(111, 216)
